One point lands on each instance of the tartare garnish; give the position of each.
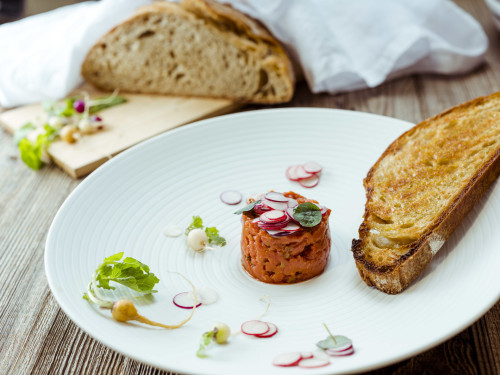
(307, 174)
(132, 274)
(281, 216)
(66, 120)
(199, 239)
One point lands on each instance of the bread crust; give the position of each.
(394, 278)
(237, 28)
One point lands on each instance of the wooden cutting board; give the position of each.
(142, 117)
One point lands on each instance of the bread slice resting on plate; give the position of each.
(192, 48)
(422, 187)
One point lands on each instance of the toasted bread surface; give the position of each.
(422, 187)
(192, 48)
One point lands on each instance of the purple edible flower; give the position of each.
(79, 106)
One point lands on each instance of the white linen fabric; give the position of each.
(341, 45)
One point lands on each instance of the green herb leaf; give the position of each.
(334, 342)
(31, 153)
(66, 109)
(106, 102)
(247, 208)
(129, 272)
(206, 339)
(23, 132)
(214, 238)
(196, 223)
(307, 214)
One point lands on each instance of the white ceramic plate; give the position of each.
(125, 205)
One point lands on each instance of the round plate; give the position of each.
(126, 204)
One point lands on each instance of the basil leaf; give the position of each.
(307, 214)
(106, 102)
(247, 208)
(196, 223)
(213, 236)
(23, 131)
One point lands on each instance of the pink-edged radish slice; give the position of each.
(313, 363)
(255, 327)
(287, 359)
(277, 233)
(291, 172)
(206, 295)
(273, 216)
(342, 353)
(280, 206)
(322, 208)
(289, 212)
(312, 167)
(274, 226)
(309, 182)
(260, 208)
(273, 329)
(256, 220)
(302, 174)
(292, 203)
(231, 197)
(307, 355)
(290, 228)
(276, 197)
(184, 301)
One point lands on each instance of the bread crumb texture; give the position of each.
(424, 178)
(195, 48)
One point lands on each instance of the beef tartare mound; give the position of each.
(284, 239)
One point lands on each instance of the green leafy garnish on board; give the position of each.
(214, 238)
(63, 113)
(307, 214)
(128, 272)
(248, 207)
(212, 232)
(206, 339)
(196, 223)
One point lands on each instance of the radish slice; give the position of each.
(291, 172)
(312, 167)
(260, 208)
(341, 348)
(277, 233)
(172, 231)
(276, 197)
(292, 203)
(273, 329)
(273, 216)
(280, 206)
(287, 359)
(256, 220)
(274, 226)
(307, 355)
(231, 197)
(302, 174)
(342, 353)
(291, 227)
(310, 182)
(313, 363)
(255, 327)
(184, 301)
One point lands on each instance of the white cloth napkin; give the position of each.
(341, 45)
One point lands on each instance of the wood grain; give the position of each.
(36, 337)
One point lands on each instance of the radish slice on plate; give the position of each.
(310, 182)
(273, 216)
(290, 228)
(287, 359)
(291, 172)
(206, 295)
(184, 301)
(313, 363)
(312, 167)
(256, 220)
(281, 206)
(231, 197)
(307, 355)
(302, 174)
(273, 329)
(274, 226)
(276, 197)
(255, 327)
(292, 203)
(341, 353)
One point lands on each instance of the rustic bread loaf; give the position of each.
(421, 188)
(192, 48)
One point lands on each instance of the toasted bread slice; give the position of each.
(422, 187)
(192, 48)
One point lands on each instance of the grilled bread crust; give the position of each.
(192, 48)
(422, 187)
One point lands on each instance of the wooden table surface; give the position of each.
(37, 337)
